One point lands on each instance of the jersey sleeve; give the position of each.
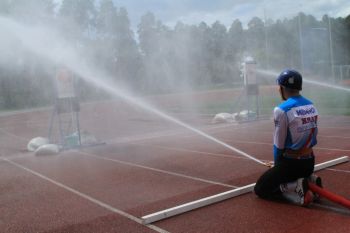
(280, 134)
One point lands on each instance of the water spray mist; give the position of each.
(49, 45)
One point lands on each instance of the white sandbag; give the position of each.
(48, 149)
(244, 115)
(37, 142)
(223, 118)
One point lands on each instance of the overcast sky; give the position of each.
(195, 11)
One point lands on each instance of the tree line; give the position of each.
(156, 58)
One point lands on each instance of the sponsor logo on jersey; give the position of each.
(306, 111)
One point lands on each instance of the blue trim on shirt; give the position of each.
(294, 101)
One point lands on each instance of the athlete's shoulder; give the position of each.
(304, 101)
(279, 113)
(293, 102)
(287, 105)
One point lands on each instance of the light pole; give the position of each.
(266, 41)
(301, 44)
(330, 45)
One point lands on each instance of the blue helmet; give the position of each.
(290, 79)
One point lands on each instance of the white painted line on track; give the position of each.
(85, 196)
(177, 132)
(270, 144)
(318, 136)
(194, 151)
(169, 133)
(13, 135)
(18, 156)
(331, 149)
(338, 170)
(223, 155)
(191, 151)
(156, 170)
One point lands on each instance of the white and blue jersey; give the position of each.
(295, 125)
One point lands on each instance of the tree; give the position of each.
(217, 46)
(236, 39)
(256, 39)
(32, 11)
(147, 31)
(77, 18)
(23, 72)
(204, 56)
(235, 48)
(282, 45)
(127, 54)
(149, 46)
(340, 41)
(106, 19)
(106, 36)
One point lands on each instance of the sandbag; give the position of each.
(37, 142)
(223, 118)
(47, 149)
(244, 115)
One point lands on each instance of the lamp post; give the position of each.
(330, 45)
(301, 44)
(266, 41)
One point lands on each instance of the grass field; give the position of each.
(328, 101)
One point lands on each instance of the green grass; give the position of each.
(328, 101)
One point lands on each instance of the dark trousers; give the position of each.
(285, 170)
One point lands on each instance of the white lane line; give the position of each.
(156, 169)
(318, 136)
(18, 156)
(85, 196)
(13, 135)
(225, 155)
(270, 144)
(264, 143)
(331, 149)
(338, 170)
(193, 151)
(190, 151)
(170, 133)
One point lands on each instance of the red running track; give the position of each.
(149, 165)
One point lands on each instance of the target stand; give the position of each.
(248, 103)
(64, 127)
